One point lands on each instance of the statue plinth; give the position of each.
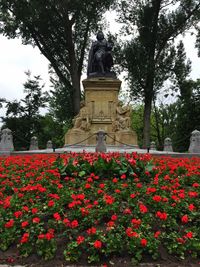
(102, 111)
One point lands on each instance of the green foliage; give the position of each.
(150, 55)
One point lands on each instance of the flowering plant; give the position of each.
(100, 205)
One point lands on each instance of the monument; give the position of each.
(101, 109)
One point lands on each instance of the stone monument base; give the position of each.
(128, 137)
(102, 110)
(74, 136)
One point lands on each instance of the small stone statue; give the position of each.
(153, 146)
(6, 143)
(101, 145)
(100, 59)
(168, 145)
(34, 143)
(195, 142)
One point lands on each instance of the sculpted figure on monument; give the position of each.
(82, 120)
(100, 58)
(123, 120)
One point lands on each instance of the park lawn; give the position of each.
(100, 205)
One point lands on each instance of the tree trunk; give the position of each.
(147, 120)
(76, 92)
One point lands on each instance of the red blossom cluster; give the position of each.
(99, 204)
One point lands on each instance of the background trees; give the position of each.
(149, 55)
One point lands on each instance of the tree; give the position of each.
(23, 117)
(60, 29)
(149, 55)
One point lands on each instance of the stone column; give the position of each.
(195, 142)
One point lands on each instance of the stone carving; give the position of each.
(195, 142)
(34, 143)
(153, 146)
(49, 145)
(101, 145)
(123, 120)
(6, 143)
(100, 58)
(82, 120)
(168, 145)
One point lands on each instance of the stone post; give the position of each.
(153, 146)
(101, 144)
(49, 145)
(34, 143)
(168, 145)
(195, 142)
(6, 143)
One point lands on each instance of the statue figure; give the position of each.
(100, 59)
(123, 120)
(82, 120)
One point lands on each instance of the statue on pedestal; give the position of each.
(100, 58)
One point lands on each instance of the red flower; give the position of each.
(80, 239)
(127, 211)
(41, 236)
(74, 224)
(156, 234)
(143, 242)
(34, 210)
(25, 208)
(189, 235)
(136, 223)
(180, 240)
(108, 199)
(97, 244)
(157, 198)
(114, 217)
(143, 208)
(132, 195)
(91, 231)
(191, 207)
(24, 224)
(36, 220)
(57, 216)
(24, 238)
(49, 235)
(161, 215)
(131, 233)
(184, 219)
(51, 203)
(9, 224)
(123, 176)
(18, 214)
(87, 186)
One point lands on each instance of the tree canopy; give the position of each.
(150, 54)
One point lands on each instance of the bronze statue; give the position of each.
(100, 58)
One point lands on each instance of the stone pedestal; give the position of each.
(126, 137)
(102, 111)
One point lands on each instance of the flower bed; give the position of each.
(100, 205)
